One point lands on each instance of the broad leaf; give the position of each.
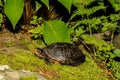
(67, 4)
(56, 31)
(38, 5)
(46, 2)
(117, 52)
(13, 10)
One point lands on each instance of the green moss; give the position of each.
(87, 71)
(26, 60)
(29, 78)
(9, 44)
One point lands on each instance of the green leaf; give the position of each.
(100, 2)
(117, 52)
(46, 2)
(117, 7)
(56, 31)
(1, 17)
(13, 10)
(38, 5)
(115, 4)
(117, 1)
(37, 30)
(67, 4)
(112, 1)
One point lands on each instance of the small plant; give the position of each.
(114, 67)
(52, 31)
(38, 30)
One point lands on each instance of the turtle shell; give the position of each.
(63, 53)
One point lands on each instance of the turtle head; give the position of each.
(39, 52)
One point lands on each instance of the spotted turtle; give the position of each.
(62, 53)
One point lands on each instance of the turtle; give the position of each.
(61, 53)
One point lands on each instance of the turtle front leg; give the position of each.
(48, 61)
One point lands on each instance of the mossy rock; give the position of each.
(88, 70)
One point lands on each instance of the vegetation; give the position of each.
(29, 78)
(28, 61)
(78, 22)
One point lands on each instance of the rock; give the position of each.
(24, 73)
(7, 73)
(1, 77)
(13, 74)
(99, 36)
(116, 41)
(4, 67)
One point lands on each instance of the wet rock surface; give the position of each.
(7, 73)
